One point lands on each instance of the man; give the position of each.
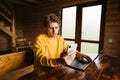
(50, 49)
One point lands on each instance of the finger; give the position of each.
(88, 58)
(72, 53)
(71, 57)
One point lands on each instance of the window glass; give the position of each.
(68, 22)
(90, 49)
(91, 18)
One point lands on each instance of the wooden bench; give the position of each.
(15, 65)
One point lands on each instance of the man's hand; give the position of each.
(68, 57)
(80, 55)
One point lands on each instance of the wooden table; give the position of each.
(104, 72)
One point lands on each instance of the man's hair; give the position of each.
(51, 18)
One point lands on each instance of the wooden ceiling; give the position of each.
(30, 2)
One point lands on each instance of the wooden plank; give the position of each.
(13, 61)
(14, 75)
(20, 3)
(5, 17)
(13, 32)
(5, 8)
(6, 31)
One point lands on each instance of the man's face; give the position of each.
(52, 29)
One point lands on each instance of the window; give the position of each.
(91, 19)
(69, 23)
(84, 25)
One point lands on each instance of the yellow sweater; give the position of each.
(47, 50)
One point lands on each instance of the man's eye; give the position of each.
(50, 28)
(56, 27)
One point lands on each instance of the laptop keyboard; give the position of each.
(79, 65)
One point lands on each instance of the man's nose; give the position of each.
(53, 29)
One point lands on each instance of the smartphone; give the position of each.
(72, 47)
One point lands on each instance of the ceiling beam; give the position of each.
(19, 2)
(33, 1)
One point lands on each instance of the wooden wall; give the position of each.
(33, 21)
(4, 41)
(112, 28)
(19, 17)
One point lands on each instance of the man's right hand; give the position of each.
(67, 58)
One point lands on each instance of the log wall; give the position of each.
(112, 28)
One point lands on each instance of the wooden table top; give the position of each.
(104, 72)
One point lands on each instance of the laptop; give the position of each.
(81, 65)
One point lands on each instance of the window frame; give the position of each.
(79, 22)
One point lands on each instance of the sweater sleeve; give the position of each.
(40, 55)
